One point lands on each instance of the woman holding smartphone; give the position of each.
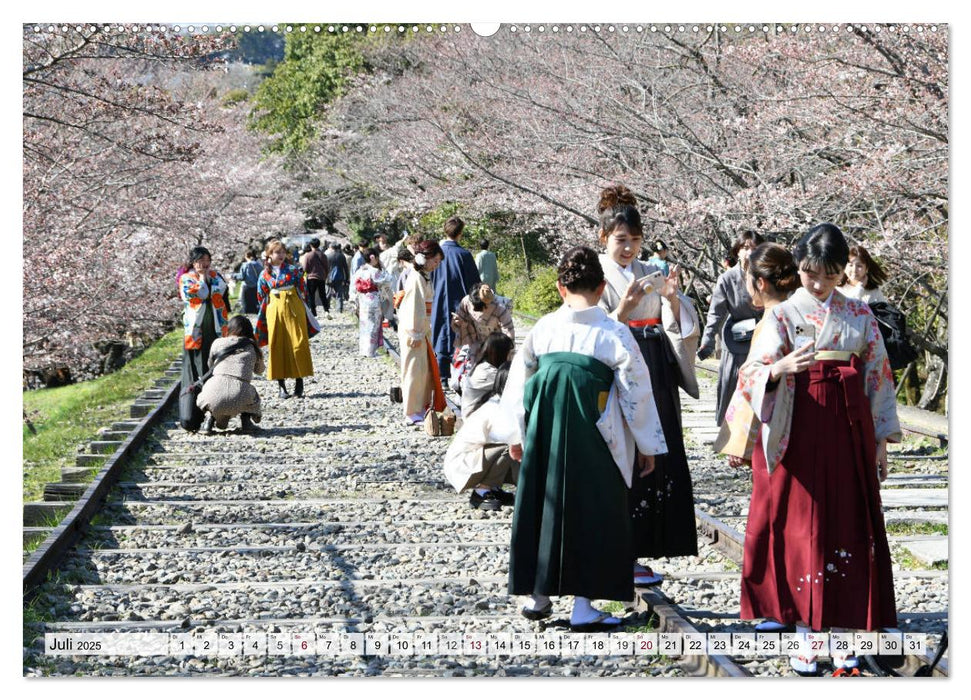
(665, 325)
(819, 381)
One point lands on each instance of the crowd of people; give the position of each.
(584, 418)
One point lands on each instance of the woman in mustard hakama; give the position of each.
(284, 321)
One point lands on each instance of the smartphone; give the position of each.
(805, 335)
(653, 282)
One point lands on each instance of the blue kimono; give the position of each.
(451, 281)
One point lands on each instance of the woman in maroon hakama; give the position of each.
(807, 558)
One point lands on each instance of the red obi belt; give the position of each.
(364, 286)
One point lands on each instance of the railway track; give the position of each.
(333, 519)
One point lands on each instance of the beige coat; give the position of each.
(414, 323)
(229, 391)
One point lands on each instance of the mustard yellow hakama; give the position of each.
(289, 343)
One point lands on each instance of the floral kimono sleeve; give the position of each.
(771, 405)
(878, 383)
(636, 395)
(262, 290)
(771, 346)
(505, 320)
(192, 291)
(299, 282)
(510, 425)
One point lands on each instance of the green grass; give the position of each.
(908, 562)
(67, 416)
(903, 527)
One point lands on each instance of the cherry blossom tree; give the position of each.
(129, 160)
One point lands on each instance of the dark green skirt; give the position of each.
(570, 529)
(194, 362)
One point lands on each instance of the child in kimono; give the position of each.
(819, 381)
(665, 325)
(578, 399)
(284, 322)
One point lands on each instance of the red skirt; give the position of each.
(816, 547)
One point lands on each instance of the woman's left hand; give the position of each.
(646, 463)
(882, 468)
(671, 285)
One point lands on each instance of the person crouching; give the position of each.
(229, 392)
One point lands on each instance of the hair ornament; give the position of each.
(420, 259)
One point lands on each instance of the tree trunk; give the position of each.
(936, 386)
(910, 384)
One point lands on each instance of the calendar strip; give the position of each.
(482, 644)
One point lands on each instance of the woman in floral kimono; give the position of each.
(421, 386)
(368, 282)
(284, 320)
(665, 324)
(203, 290)
(577, 401)
(771, 277)
(731, 313)
(819, 380)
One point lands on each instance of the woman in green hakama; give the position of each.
(578, 399)
(570, 530)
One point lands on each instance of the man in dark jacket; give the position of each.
(249, 275)
(451, 281)
(339, 277)
(315, 267)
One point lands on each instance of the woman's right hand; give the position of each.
(734, 461)
(629, 301)
(796, 361)
(516, 452)
(412, 343)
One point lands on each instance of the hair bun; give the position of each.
(615, 195)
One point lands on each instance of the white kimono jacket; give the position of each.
(846, 325)
(630, 417)
(682, 332)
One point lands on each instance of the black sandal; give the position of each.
(598, 624)
(541, 614)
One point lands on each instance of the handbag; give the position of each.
(439, 423)
(190, 415)
(738, 335)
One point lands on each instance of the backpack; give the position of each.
(336, 273)
(893, 327)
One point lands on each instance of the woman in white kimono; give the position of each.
(665, 325)
(731, 313)
(421, 386)
(577, 401)
(827, 412)
(475, 459)
(369, 282)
